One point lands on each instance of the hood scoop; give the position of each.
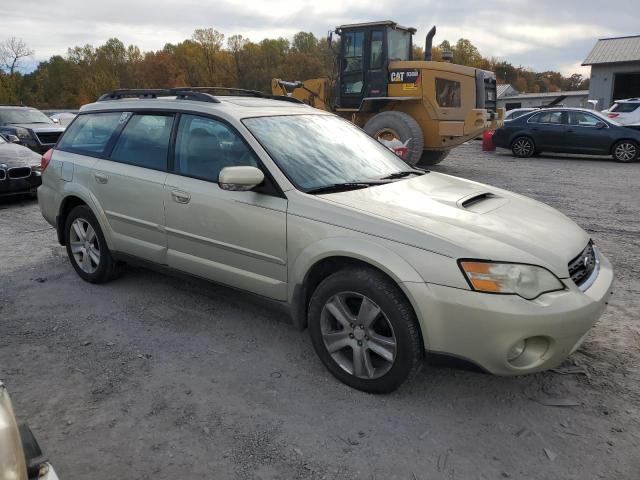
(481, 202)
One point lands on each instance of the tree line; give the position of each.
(208, 58)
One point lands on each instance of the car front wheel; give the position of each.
(87, 248)
(625, 151)
(364, 330)
(523, 147)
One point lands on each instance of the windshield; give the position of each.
(399, 45)
(23, 115)
(625, 107)
(316, 151)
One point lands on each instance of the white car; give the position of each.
(625, 112)
(380, 261)
(518, 112)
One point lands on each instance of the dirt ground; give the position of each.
(158, 377)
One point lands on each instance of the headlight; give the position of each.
(12, 461)
(22, 132)
(528, 281)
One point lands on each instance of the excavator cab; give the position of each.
(365, 52)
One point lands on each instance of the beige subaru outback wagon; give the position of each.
(381, 262)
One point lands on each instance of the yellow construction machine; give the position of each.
(419, 108)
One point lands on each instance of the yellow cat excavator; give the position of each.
(419, 108)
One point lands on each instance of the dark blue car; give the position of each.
(568, 130)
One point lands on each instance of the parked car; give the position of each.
(568, 130)
(518, 112)
(625, 112)
(21, 457)
(380, 261)
(19, 169)
(63, 118)
(32, 127)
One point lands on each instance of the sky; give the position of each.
(538, 34)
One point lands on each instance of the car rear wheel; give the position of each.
(87, 248)
(625, 151)
(523, 147)
(364, 330)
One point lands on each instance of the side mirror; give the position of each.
(600, 125)
(12, 138)
(240, 178)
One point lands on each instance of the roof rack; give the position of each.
(200, 94)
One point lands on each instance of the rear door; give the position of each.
(129, 185)
(233, 237)
(548, 130)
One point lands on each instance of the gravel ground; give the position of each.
(160, 377)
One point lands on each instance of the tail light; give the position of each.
(613, 115)
(46, 158)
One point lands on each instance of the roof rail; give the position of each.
(200, 94)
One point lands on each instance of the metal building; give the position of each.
(510, 100)
(615, 70)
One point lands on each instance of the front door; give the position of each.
(232, 237)
(352, 69)
(588, 133)
(548, 129)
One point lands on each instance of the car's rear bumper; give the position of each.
(483, 328)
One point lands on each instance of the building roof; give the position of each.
(572, 93)
(614, 50)
(505, 88)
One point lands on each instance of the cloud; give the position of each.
(541, 34)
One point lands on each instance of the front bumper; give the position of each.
(483, 328)
(17, 186)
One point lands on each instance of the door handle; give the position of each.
(101, 177)
(180, 196)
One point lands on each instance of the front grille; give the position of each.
(19, 172)
(48, 137)
(581, 267)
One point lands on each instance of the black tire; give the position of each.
(432, 157)
(395, 311)
(106, 268)
(523, 147)
(402, 125)
(625, 151)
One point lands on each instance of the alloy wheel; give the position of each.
(85, 246)
(523, 147)
(625, 152)
(358, 335)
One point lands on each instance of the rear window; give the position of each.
(624, 107)
(448, 93)
(91, 132)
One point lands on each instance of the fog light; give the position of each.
(516, 350)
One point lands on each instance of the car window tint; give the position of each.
(145, 141)
(205, 146)
(91, 132)
(375, 61)
(583, 119)
(448, 93)
(547, 117)
(624, 107)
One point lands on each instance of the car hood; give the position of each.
(466, 219)
(13, 155)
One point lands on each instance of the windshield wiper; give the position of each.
(343, 187)
(403, 173)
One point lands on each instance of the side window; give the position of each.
(448, 93)
(547, 117)
(375, 62)
(353, 51)
(205, 146)
(91, 132)
(144, 142)
(583, 119)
